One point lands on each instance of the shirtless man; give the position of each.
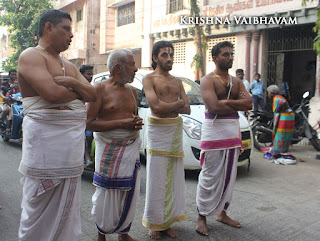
(114, 118)
(53, 92)
(167, 99)
(223, 96)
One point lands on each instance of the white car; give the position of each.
(191, 123)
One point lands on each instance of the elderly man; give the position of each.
(114, 118)
(165, 195)
(53, 92)
(223, 96)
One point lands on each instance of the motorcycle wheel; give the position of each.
(5, 138)
(314, 140)
(261, 139)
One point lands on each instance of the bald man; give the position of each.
(116, 124)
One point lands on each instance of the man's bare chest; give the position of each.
(119, 101)
(167, 89)
(227, 92)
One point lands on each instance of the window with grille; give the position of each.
(179, 52)
(174, 5)
(79, 15)
(126, 14)
(212, 42)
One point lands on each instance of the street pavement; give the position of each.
(272, 202)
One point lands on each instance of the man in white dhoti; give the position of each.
(223, 96)
(165, 194)
(114, 118)
(53, 134)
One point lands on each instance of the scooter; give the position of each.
(262, 126)
(15, 132)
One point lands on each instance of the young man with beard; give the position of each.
(165, 191)
(116, 124)
(53, 92)
(223, 96)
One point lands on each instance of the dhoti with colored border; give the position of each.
(165, 191)
(117, 181)
(52, 164)
(220, 149)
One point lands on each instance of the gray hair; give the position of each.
(119, 56)
(274, 89)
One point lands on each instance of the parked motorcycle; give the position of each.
(262, 126)
(15, 132)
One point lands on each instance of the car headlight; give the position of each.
(192, 127)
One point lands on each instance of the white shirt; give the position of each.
(246, 84)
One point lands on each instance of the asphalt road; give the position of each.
(272, 202)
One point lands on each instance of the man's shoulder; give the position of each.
(235, 78)
(29, 54)
(207, 77)
(29, 50)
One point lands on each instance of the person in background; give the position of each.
(257, 89)
(286, 91)
(283, 125)
(5, 85)
(87, 72)
(240, 75)
(8, 101)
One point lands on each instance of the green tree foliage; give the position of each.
(316, 28)
(21, 17)
(200, 41)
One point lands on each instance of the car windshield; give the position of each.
(192, 90)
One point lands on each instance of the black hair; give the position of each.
(12, 71)
(239, 71)
(84, 68)
(216, 49)
(257, 74)
(53, 16)
(156, 50)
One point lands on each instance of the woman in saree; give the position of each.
(283, 125)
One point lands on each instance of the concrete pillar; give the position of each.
(147, 41)
(247, 56)
(256, 38)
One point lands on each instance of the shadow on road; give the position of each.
(13, 143)
(87, 176)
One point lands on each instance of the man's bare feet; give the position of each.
(154, 234)
(202, 225)
(101, 237)
(171, 233)
(126, 237)
(223, 218)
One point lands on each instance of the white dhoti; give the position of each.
(220, 146)
(117, 180)
(52, 215)
(52, 164)
(165, 190)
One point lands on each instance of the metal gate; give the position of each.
(286, 40)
